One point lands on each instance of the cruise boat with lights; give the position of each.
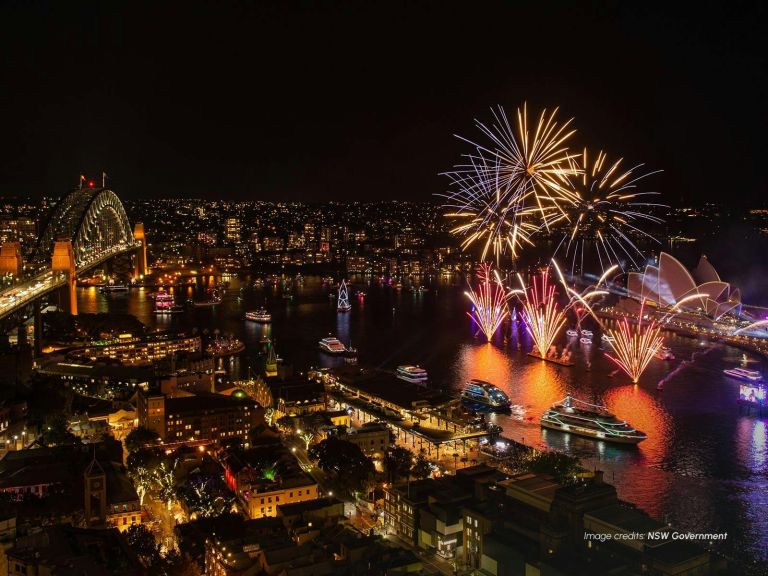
(591, 421)
(572, 333)
(331, 345)
(665, 353)
(106, 288)
(165, 304)
(485, 394)
(261, 316)
(213, 298)
(412, 374)
(744, 374)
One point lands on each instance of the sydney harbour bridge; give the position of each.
(84, 230)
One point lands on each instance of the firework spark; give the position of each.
(512, 187)
(489, 302)
(605, 210)
(634, 348)
(542, 316)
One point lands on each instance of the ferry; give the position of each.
(585, 340)
(607, 338)
(587, 333)
(225, 347)
(413, 374)
(113, 288)
(331, 345)
(665, 353)
(165, 304)
(485, 393)
(261, 316)
(591, 421)
(744, 374)
(572, 333)
(214, 298)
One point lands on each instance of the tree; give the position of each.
(397, 462)
(422, 468)
(57, 433)
(354, 471)
(559, 465)
(140, 437)
(143, 543)
(165, 480)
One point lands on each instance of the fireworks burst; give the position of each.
(634, 349)
(542, 316)
(511, 187)
(489, 302)
(605, 210)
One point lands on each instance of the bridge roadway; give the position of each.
(24, 293)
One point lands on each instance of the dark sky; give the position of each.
(324, 100)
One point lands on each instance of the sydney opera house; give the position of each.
(670, 285)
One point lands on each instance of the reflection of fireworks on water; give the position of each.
(634, 348)
(508, 189)
(605, 211)
(489, 302)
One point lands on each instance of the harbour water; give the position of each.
(703, 468)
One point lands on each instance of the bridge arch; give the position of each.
(94, 219)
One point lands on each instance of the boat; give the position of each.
(664, 353)
(412, 374)
(591, 421)
(485, 394)
(607, 338)
(165, 304)
(587, 333)
(572, 333)
(331, 345)
(343, 305)
(225, 347)
(744, 374)
(213, 298)
(262, 316)
(106, 288)
(585, 340)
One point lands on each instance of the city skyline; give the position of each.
(271, 102)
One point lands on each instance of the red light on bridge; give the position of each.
(91, 183)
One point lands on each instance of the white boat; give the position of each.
(665, 353)
(165, 304)
(585, 340)
(587, 333)
(261, 316)
(413, 374)
(343, 304)
(744, 374)
(589, 420)
(572, 333)
(331, 345)
(114, 288)
(607, 338)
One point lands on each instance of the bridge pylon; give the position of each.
(10, 259)
(64, 261)
(140, 258)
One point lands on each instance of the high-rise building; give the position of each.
(232, 230)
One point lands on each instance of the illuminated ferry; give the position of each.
(331, 345)
(744, 374)
(261, 316)
(165, 304)
(665, 353)
(413, 374)
(485, 393)
(607, 338)
(213, 298)
(589, 420)
(572, 333)
(113, 288)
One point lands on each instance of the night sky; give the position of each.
(318, 100)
